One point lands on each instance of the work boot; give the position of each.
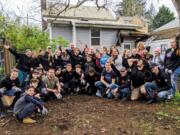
(28, 121)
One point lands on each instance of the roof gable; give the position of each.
(89, 12)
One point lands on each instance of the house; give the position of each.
(88, 25)
(161, 37)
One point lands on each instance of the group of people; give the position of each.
(107, 73)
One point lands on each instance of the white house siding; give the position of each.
(127, 41)
(108, 37)
(163, 44)
(82, 36)
(64, 31)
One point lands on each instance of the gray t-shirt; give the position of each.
(50, 83)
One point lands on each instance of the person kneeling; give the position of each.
(91, 77)
(106, 82)
(10, 91)
(122, 90)
(27, 105)
(78, 82)
(53, 88)
(161, 88)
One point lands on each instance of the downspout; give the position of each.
(50, 30)
(73, 32)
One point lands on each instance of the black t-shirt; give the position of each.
(57, 62)
(108, 76)
(139, 77)
(92, 79)
(77, 75)
(8, 83)
(67, 76)
(163, 81)
(34, 62)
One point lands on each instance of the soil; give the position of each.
(89, 115)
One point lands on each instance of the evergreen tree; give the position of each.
(163, 17)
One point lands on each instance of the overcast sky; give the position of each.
(24, 7)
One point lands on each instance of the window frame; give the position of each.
(95, 37)
(128, 43)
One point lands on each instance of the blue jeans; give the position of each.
(112, 87)
(151, 87)
(12, 92)
(26, 112)
(22, 77)
(100, 86)
(125, 92)
(174, 79)
(122, 93)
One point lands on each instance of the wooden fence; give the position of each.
(9, 61)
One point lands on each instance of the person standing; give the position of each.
(172, 62)
(23, 63)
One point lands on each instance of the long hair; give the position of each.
(140, 44)
(177, 38)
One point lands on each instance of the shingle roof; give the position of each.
(90, 12)
(173, 24)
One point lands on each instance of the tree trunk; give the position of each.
(43, 8)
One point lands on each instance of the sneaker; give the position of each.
(58, 95)
(124, 99)
(150, 101)
(170, 97)
(98, 93)
(28, 121)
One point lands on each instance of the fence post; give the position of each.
(8, 61)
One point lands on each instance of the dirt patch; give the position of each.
(85, 115)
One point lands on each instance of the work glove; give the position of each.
(170, 71)
(166, 70)
(44, 111)
(83, 82)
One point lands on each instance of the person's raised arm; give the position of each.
(131, 61)
(17, 55)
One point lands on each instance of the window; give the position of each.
(127, 46)
(95, 36)
(163, 48)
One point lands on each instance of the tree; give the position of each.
(27, 37)
(163, 16)
(31, 38)
(131, 8)
(149, 15)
